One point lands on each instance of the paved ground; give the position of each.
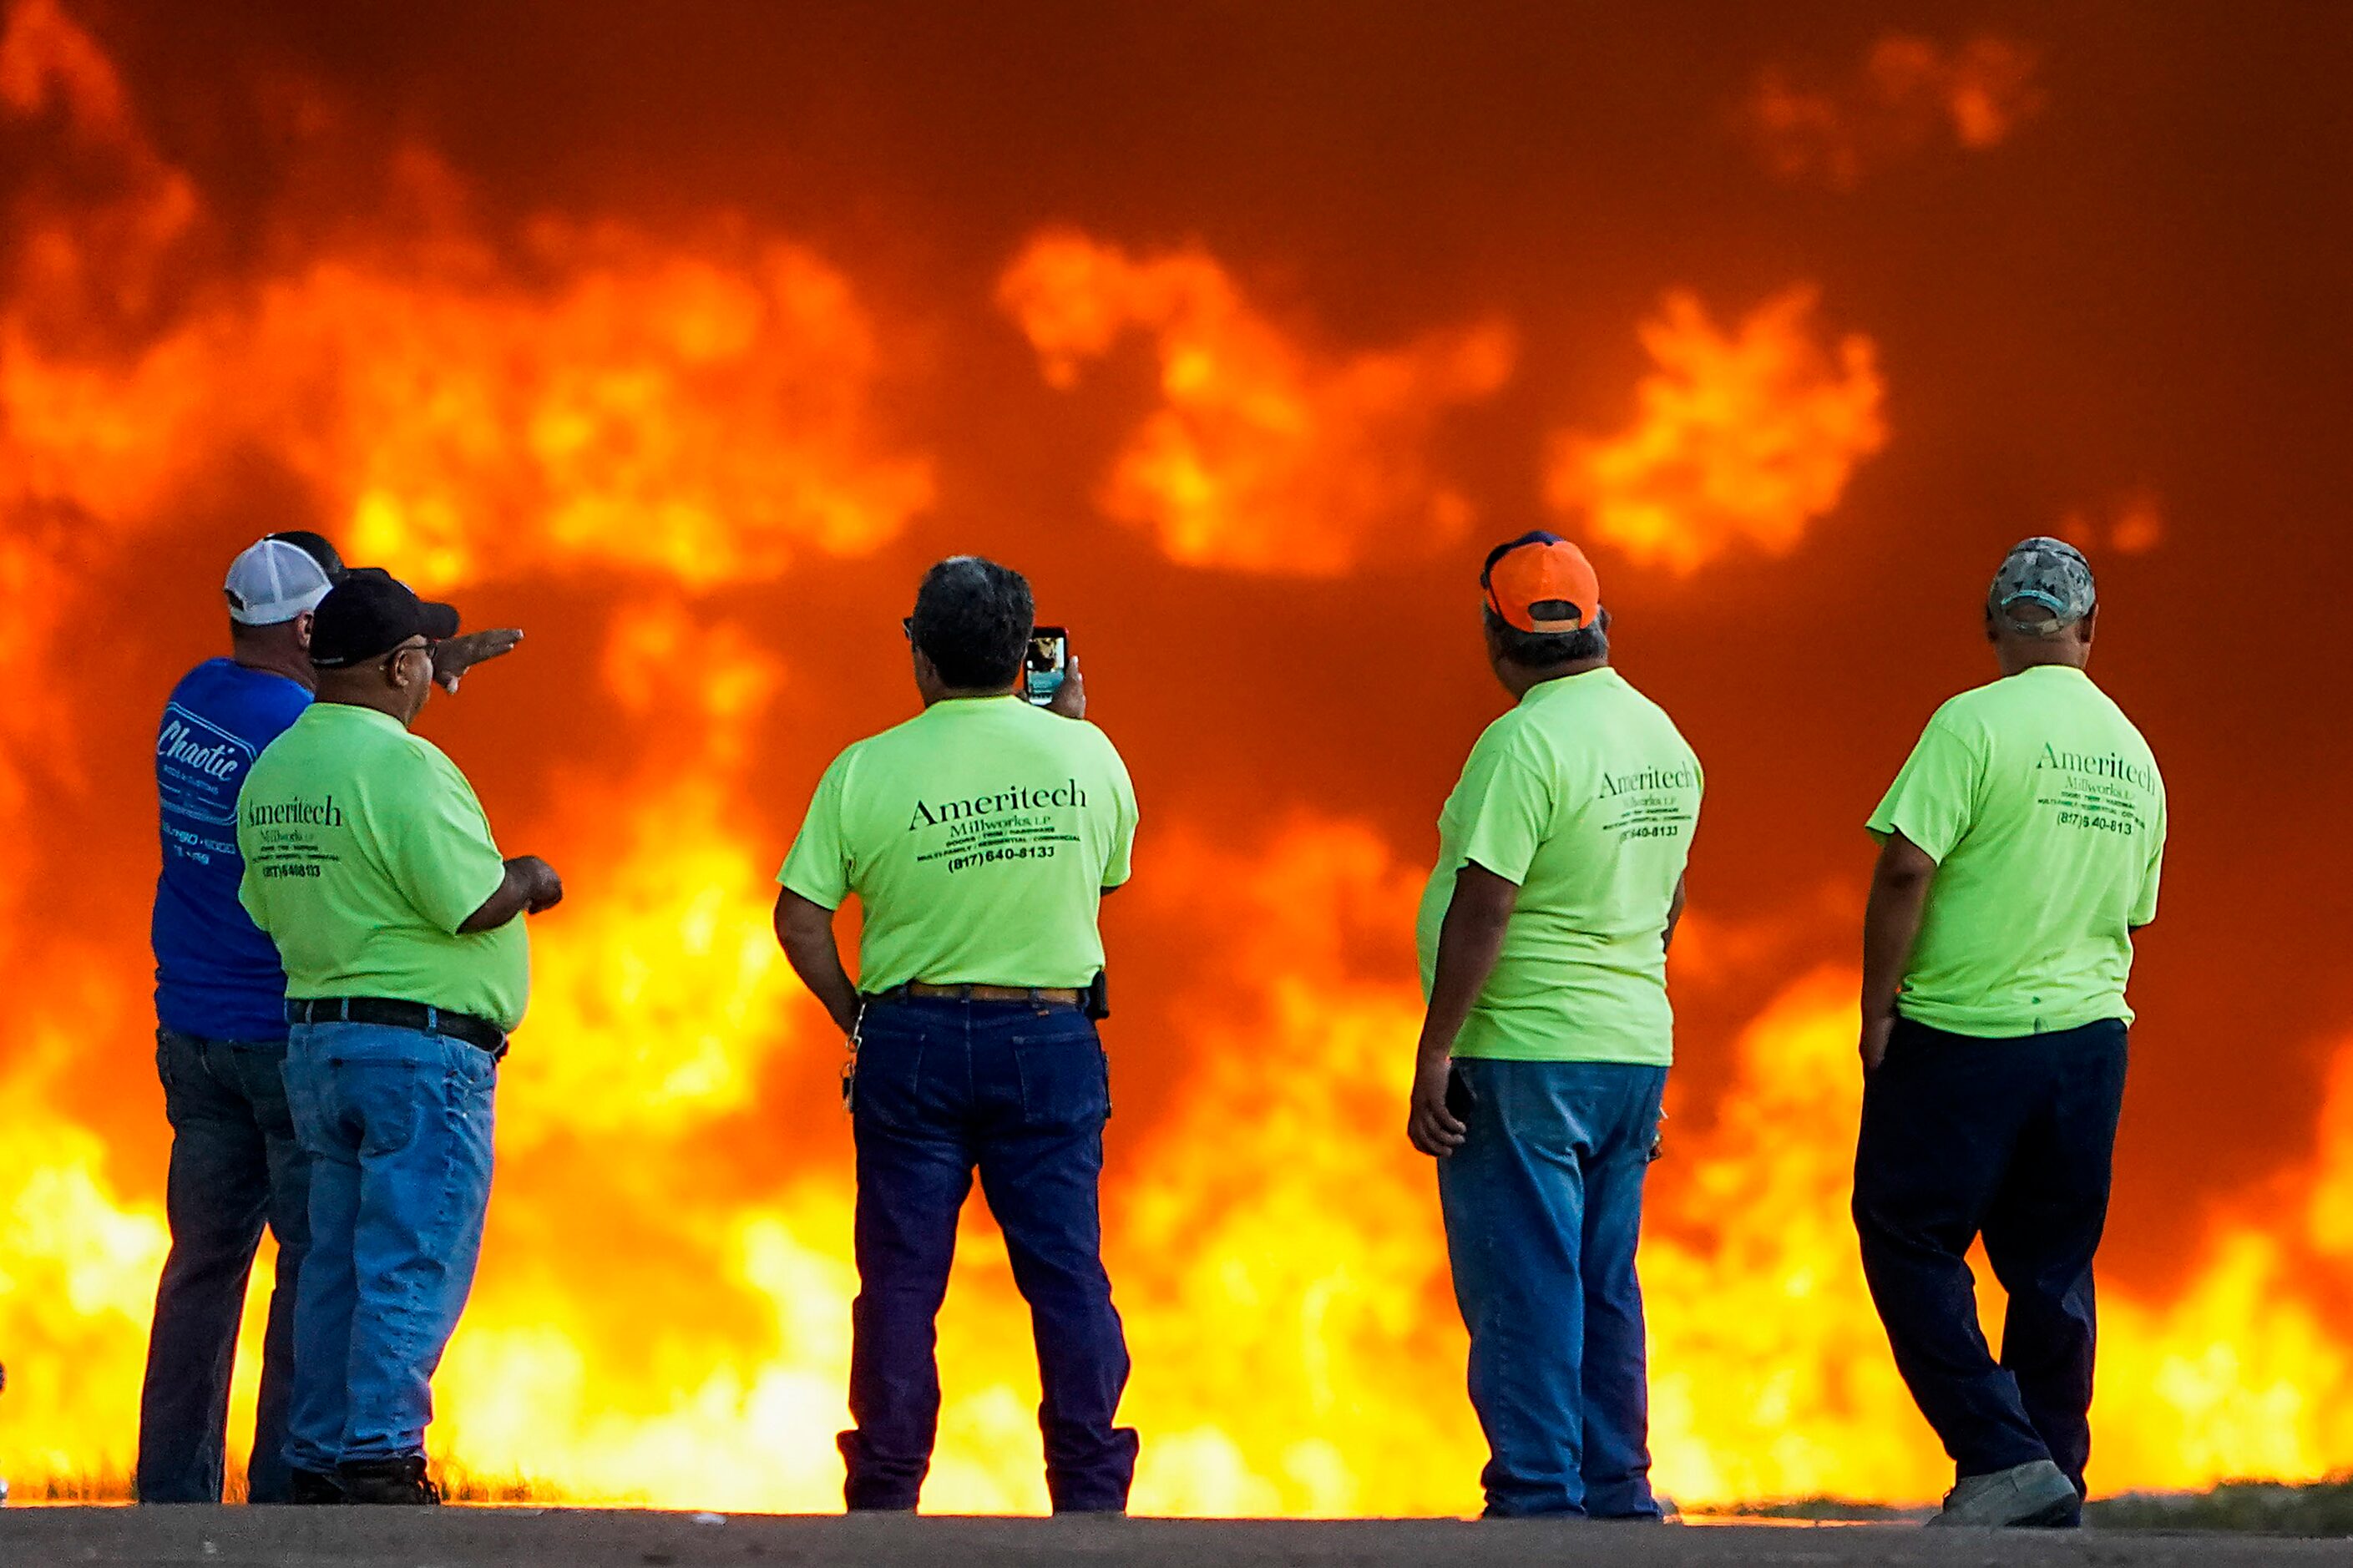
(563, 1538)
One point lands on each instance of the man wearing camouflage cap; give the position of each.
(2020, 849)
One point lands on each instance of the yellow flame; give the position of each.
(1281, 1270)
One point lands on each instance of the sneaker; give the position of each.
(400, 1480)
(2036, 1493)
(310, 1487)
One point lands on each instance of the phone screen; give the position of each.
(1049, 658)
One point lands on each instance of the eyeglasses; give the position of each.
(426, 648)
(908, 627)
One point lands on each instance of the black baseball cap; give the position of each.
(369, 614)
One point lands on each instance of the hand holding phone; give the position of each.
(1046, 665)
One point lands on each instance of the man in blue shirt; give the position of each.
(220, 1040)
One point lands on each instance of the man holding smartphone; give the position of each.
(1545, 1051)
(979, 837)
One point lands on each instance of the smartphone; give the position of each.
(1049, 660)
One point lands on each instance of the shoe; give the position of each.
(2035, 1493)
(400, 1480)
(310, 1487)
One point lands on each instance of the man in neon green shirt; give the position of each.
(979, 837)
(1543, 938)
(370, 864)
(2020, 850)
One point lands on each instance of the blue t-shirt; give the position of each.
(215, 973)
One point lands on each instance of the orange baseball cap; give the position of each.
(1541, 582)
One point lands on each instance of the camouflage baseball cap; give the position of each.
(2047, 572)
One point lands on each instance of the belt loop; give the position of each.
(432, 1019)
(344, 1008)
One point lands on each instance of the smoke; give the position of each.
(1906, 93)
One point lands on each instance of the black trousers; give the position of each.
(2012, 1140)
(234, 1162)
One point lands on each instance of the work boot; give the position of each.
(2035, 1493)
(400, 1480)
(310, 1487)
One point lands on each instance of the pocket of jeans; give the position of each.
(889, 1083)
(388, 1096)
(262, 1082)
(472, 1070)
(303, 1112)
(1065, 1076)
(164, 1065)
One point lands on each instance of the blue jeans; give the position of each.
(397, 1125)
(234, 1161)
(1543, 1206)
(1022, 1093)
(2010, 1139)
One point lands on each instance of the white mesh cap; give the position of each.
(273, 582)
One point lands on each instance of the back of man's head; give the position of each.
(972, 621)
(272, 587)
(2044, 590)
(1544, 603)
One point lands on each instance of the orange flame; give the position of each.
(697, 411)
(2134, 525)
(1905, 90)
(662, 1311)
(1264, 455)
(1742, 438)
(698, 415)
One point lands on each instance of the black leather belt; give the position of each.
(427, 1020)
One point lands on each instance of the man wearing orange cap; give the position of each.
(1543, 937)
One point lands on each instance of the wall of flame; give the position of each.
(699, 444)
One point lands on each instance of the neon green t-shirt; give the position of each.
(2043, 810)
(1586, 796)
(364, 851)
(979, 836)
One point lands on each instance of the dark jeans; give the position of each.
(2010, 1139)
(1021, 1092)
(234, 1162)
(1543, 1206)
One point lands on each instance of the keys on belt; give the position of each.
(480, 1033)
